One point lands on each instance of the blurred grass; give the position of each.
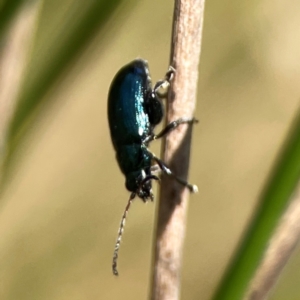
(272, 205)
(8, 10)
(77, 27)
(62, 205)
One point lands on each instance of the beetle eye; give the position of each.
(131, 182)
(130, 185)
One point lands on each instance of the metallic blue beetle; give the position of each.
(134, 109)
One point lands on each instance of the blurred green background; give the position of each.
(62, 206)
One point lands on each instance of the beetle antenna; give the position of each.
(120, 233)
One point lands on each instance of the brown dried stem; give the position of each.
(170, 231)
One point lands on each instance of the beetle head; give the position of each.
(138, 182)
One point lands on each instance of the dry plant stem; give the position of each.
(13, 58)
(170, 231)
(279, 251)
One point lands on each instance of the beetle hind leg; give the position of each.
(191, 187)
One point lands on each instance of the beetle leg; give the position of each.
(192, 188)
(163, 84)
(149, 177)
(171, 126)
(155, 168)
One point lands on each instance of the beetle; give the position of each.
(134, 109)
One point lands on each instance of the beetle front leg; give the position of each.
(163, 84)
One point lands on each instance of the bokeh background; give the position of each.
(61, 208)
